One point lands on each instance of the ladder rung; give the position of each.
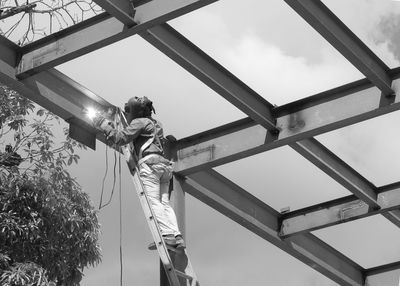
(184, 275)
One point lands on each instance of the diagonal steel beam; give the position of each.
(56, 92)
(229, 199)
(297, 121)
(344, 40)
(337, 211)
(337, 169)
(203, 67)
(99, 32)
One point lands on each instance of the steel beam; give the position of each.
(203, 67)
(297, 121)
(344, 40)
(99, 32)
(8, 51)
(382, 269)
(123, 10)
(56, 92)
(337, 169)
(229, 199)
(337, 211)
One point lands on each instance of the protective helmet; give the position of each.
(139, 107)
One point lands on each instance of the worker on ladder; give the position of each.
(155, 171)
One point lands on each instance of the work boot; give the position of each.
(152, 246)
(180, 243)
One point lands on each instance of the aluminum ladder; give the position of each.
(178, 268)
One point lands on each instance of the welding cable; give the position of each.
(114, 180)
(104, 179)
(120, 220)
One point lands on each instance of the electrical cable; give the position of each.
(120, 221)
(104, 179)
(115, 175)
(114, 181)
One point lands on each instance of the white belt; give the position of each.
(148, 157)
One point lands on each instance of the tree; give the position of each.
(48, 227)
(24, 21)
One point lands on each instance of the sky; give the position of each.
(273, 50)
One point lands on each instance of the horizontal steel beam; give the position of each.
(382, 269)
(337, 211)
(344, 40)
(297, 121)
(229, 199)
(99, 32)
(203, 67)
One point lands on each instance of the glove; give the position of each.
(97, 121)
(106, 126)
(171, 138)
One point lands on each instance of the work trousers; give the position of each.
(156, 174)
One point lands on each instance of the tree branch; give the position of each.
(16, 10)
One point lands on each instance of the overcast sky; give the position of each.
(273, 50)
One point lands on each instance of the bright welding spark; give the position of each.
(91, 113)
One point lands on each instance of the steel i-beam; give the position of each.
(338, 211)
(297, 121)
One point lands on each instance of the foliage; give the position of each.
(48, 228)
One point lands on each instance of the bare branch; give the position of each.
(44, 17)
(16, 10)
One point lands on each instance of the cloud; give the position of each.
(281, 78)
(387, 34)
(375, 24)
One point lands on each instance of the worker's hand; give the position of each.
(171, 138)
(110, 140)
(98, 120)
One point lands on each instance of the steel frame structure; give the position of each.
(30, 71)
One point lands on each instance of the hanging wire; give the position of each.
(111, 196)
(116, 123)
(120, 220)
(114, 182)
(104, 179)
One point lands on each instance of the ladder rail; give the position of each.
(151, 220)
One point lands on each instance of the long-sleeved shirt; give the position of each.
(139, 131)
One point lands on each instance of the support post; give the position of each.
(177, 200)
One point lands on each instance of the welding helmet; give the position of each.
(137, 107)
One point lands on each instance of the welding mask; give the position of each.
(137, 107)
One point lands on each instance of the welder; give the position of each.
(155, 171)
